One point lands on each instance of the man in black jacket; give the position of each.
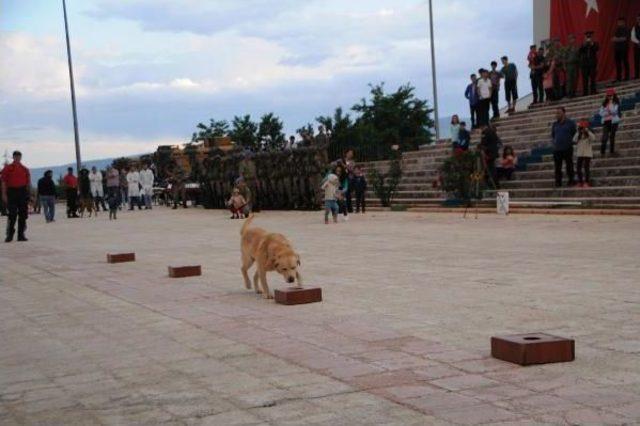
(589, 64)
(620, 42)
(47, 195)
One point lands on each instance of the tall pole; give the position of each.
(433, 72)
(73, 89)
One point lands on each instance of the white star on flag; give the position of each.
(592, 5)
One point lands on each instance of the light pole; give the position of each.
(73, 90)
(433, 72)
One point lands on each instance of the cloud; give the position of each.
(149, 70)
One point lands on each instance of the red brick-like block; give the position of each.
(533, 348)
(298, 295)
(121, 257)
(184, 271)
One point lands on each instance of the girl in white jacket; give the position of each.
(583, 139)
(610, 113)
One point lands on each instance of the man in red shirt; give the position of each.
(16, 182)
(71, 185)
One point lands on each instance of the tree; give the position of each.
(398, 118)
(244, 132)
(384, 120)
(213, 130)
(270, 132)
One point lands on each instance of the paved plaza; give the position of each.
(401, 338)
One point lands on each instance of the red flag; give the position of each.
(600, 16)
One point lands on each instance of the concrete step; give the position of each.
(548, 183)
(572, 192)
(596, 162)
(596, 172)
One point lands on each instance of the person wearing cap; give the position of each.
(584, 139)
(16, 184)
(635, 40)
(610, 113)
(47, 195)
(589, 64)
(71, 191)
(620, 42)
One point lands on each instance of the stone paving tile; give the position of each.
(468, 381)
(130, 345)
(475, 414)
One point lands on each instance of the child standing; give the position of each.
(343, 189)
(360, 186)
(113, 198)
(330, 187)
(584, 138)
(236, 203)
(464, 138)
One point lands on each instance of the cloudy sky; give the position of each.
(148, 70)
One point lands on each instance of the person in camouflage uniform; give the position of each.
(247, 170)
(571, 58)
(178, 190)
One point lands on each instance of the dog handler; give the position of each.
(16, 182)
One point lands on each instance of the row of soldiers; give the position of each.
(570, 62)
(284, 180)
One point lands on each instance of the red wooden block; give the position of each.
(184, 271)
(533, 348)
(298, 295)
(121, 257)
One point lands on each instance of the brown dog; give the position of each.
(271, 252)
(86, 203)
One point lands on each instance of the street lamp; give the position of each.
(73, 90)
(433, 72)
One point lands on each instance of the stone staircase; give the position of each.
(616, 180)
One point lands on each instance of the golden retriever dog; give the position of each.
(270, 252)
(86, 203)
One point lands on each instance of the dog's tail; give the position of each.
(246, 224)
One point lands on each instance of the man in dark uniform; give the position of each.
(635, 39)
(589, 64)
(16, 183)
(620, 42)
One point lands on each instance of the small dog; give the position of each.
(271, 252)
(86, 203)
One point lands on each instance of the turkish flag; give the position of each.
(600, 16)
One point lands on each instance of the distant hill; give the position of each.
(102, 164)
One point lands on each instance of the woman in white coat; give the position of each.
(97, 191)
(133, 187)
(146, 182)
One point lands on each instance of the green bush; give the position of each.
(459, 176)
(399, 208)
(385, 185)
